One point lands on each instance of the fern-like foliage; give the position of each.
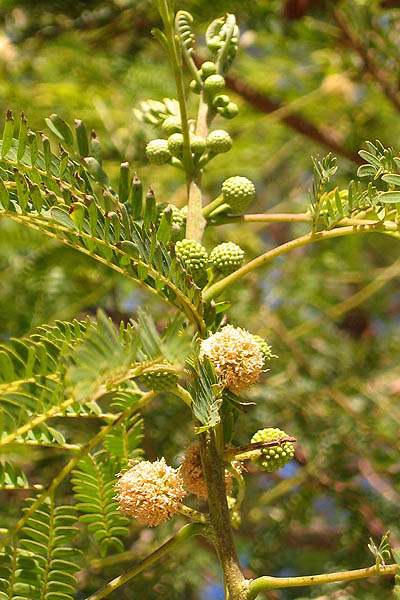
(49, 572)
(17, 574)
(12, 477)
(123, 441)
(379, 197)
(94, 483)
(323, 171)
(206, 395)
(32, 374)
(68, 196)
(347, 203)
(105, 359)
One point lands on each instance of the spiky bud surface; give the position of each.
(208, 68)
(265, 349)
(197, 144)
(150, 492)
(175, 144)
(159, 381)
(238, 192)
(192, 474)
(192, 254)
(275, 457)
(171, 125)
(214, 84)
(219, 141)
(236, 357)
(227, 257)
(157, 151)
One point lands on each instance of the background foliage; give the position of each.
(309, 77)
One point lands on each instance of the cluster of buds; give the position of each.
(223, 259)
(274, 457)
(212, 85)
(161, 151)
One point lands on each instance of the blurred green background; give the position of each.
(311, 77)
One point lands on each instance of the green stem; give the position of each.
(289, 218)
(175, 58)
(262, 584)
(211, 206)
(196, 222)
(183, 534)
(309, 238)
(183, 394)
(193, 514)
(240, 483)
(223, 541)
(254, 450)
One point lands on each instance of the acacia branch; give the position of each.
(268, 583)
(309, 238)
(183, 534)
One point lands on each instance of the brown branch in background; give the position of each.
(297, 9)
(367, 59)
(293, 120)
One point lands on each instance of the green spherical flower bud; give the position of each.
(208, 68)
(177, 217)
(195, 86)
(219, 141)
(265, 349)
(214, 84)
(157, 152)
(159, 381)
(197, 144)
(227, 257)
(215, 43)
(238, 192)
(275, 457)
(221, 101)
(193, 255)
(171, 125)
(230, 111)
(175, 144)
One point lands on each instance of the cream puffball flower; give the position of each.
(151, 492)
(236, 357)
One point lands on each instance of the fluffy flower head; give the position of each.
(151, 492)
(236, 357)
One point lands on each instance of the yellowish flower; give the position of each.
(236, 356)
(151, 492)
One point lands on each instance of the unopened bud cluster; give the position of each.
(227, 257)
(159, 381)
(275, 457)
